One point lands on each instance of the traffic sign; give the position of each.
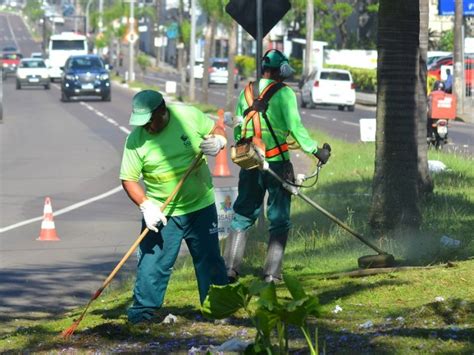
(273, 11)
(131, 37)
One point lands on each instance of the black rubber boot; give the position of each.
(234, 253)
(276, 249)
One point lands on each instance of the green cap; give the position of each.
(274, 59)
(143, 105)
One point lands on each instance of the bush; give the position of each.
(297, 65)
(246, 65)
(364, 79)
(143, 62)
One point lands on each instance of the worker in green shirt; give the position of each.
(283, 120)
(159, 150)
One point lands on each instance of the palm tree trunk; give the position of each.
(209, 39)
(229, 105)
(396, 195)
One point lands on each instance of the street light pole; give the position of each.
(101, 12)
(131, 20)
(87, 17)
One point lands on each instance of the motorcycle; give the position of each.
(438, 134)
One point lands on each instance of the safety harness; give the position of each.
(258, 107)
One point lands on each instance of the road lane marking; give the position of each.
(319, 116)
(13, 34)
(105, 117)
(350, 123)
(64, 210)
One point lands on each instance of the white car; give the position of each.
(329, 87)
(32, 72)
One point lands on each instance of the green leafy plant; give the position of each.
(143, 62)
(268, 313)
(246, 65)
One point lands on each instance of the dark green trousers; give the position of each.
(252, 186)
(158, 252)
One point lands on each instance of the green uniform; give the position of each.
(284, 118)
(162, 160)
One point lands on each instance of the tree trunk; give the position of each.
(229, 105)
(309, 37)
(209, 39)
(395, 199)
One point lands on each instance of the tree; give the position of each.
(231, 84)
(400, 176)
(214, 10)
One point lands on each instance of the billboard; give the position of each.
(446, 7)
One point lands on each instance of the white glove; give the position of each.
(212, 144)
(232, 121)
(152, 215)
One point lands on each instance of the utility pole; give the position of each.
(131, 21)
(101, 13)
(309, 37)
(458, 58)
(192, 51)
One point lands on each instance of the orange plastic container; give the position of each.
(443, 105)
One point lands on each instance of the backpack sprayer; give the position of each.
(249, 153)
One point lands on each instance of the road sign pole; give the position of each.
(131, 21)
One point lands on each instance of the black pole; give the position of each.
(259, 38)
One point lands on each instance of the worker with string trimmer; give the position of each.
(161, 149)
(266, 115)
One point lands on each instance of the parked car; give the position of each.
(10, 62)
(85, 75)
(329, 87)
(32, 72)
(218, 73)
(435, 70)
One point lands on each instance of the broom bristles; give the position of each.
(70, 331)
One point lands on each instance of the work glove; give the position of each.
(232, 121)
(323, 153)
(152, 215)
(212, 144)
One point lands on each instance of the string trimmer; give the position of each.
(382, 259)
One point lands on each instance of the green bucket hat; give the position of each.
(143, 105)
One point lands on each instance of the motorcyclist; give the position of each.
(438, 87)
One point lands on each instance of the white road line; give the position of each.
(13, 34)
(350, 123)
(64, 210)
(319, 116)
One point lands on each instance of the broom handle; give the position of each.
(146, 230)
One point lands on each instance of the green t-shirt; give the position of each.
(164, 157)
(284, 118)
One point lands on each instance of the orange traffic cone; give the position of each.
(221, 168)
(48, 230)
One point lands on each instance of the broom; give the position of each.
(69, 331)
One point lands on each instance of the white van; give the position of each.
(329, 87)
(61, 47)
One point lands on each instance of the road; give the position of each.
(71, 153)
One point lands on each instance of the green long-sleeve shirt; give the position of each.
(284, 118)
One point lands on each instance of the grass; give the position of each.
(415, 311)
